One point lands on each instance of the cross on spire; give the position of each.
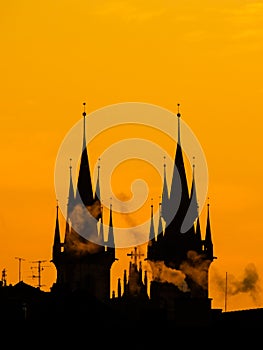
(135, 255)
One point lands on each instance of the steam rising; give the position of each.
(196, 268)
(78, 246)
(162, 273)
(84, 234)
(249, 283)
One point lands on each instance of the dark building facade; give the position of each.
(83, 259)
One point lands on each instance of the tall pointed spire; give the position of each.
(192, 212)
(57, 241)
(198, 234)
(160, 224)
(101, 231)
(179, 126)
(71, 198)
(165, 196)
(146, 280)
(97, 191)
(152, 231)
(84, 127)
(179, 195)
(119, 288)
(208, 236)
(84, 191)
(111, 243)
(57, 230)
(152, 240)
(70, 206)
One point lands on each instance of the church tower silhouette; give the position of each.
(84, 260)
(178, 247)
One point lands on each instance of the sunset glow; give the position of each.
(205, 55)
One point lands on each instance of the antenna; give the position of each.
(19, 267)
(226, 293)
(4, 278)
(39, 270)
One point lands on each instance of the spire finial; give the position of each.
(208, 202)
(164, 161)
(152, 207)
(179, 132)
(178, 110)
(70, 165)
(84, 111)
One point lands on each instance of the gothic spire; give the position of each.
(101, 231)
(70, 204)
(179, 195)
(152, 231)
(57, 230)
(179, 126)
(71, 199)
(57, 241)
(165, 196)
(110, 243)
(160, 224)
(208, 236)
(198, 235)
(119, 288)
(84, 191)
(97, 191)
(151, 241)
(192, 212)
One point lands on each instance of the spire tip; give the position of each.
(178, 113)
(84, 112)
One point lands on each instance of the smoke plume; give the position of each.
(249, 283)
(161, 273)
(83, 237)
(196, 268)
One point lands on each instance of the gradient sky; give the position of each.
(205, 55)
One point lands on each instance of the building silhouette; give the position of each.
(83, 259)
(178, 253)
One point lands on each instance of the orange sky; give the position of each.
(205, 55)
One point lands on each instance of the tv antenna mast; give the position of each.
(19, 267)
(226, 293)
(40, 268)
(4, 278)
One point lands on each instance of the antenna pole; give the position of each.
(19, 268)
(226, 293)
(39, 269)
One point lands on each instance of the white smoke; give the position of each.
(161, 273)
(196, 268)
